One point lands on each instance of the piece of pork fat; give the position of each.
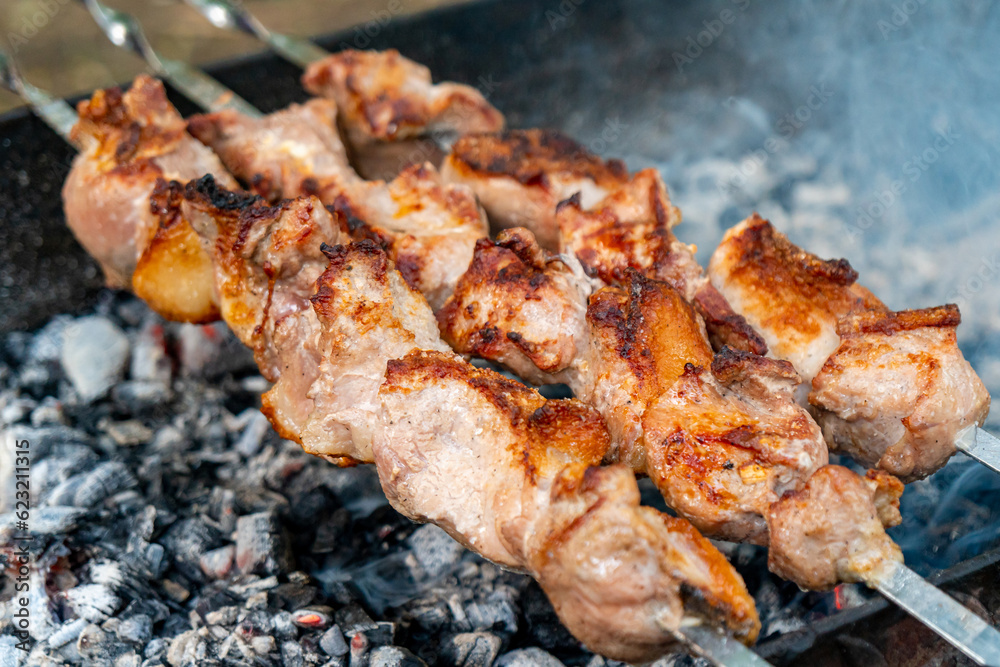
(391, 113)
(128, 142)
(511, 476)
(521, 175)
(267, 260)
(428, 227)
(890, 389)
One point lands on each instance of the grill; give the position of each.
(863, 132)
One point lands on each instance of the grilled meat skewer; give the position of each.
(890, 389)
(332, 323)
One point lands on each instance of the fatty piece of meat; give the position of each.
(891, 389)
(392, 115)
(428, 227)
(520, 307)
(367, 316)
(833, 530)
(720, 435)
(520, 176)
(631, 230)
(511, 476)
(267, 260)
(290, 153)
(130, 141)
(897, 391)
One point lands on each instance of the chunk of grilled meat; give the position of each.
(831, 531)
(368, 316)
(363, 375)
(391, 113)
(290, 153)
(520, 307)
(578, 204)
(521, 175)
(130, 141)
(621, 577)
(428, 227)
(267, 260)
(720, 434)
(891, 389)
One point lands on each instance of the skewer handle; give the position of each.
(980, 445)
(228, 15)
(719, 648)
(943, 614)
(125, 31)
(56, 113)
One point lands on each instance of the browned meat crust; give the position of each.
(519, 307)
(130, 141)
(521, 175)
(891, 389)
(619, 575)
(389, 106)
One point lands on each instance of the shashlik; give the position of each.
(362, 375)
(264, 283)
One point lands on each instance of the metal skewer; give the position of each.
(718, 647)
(980, 445)
(56, 113)
(229, 16)
(943, 614)
(124, 31)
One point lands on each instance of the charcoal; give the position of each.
(316, 617)
(333, 643)
(128, 433)
(139, 396)
(528, 657)
(48, 412)
(15, 408)
(186, 541)
(94, 602)
(253, 434)
(292, 655)
(94, 353)
(90, 488)
(217, 563)
(261, 547)
(393, 656)
(473, 649)
(10, 656)
(263, 644)
(284, 626)
(67, 633)
(44, 521)
(353, 619)
(155, 649)
(48, 341)
(137, 629)
(435, 550)
(150, 362)
(187, 648)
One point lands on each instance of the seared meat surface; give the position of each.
(720, 434)
(391, 112)
(521, 175)
(363, 375)
(129, 141)
(428, 227)
(890, 389)
(290, 153)
(619, 575)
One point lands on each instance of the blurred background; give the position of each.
(62, 50)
